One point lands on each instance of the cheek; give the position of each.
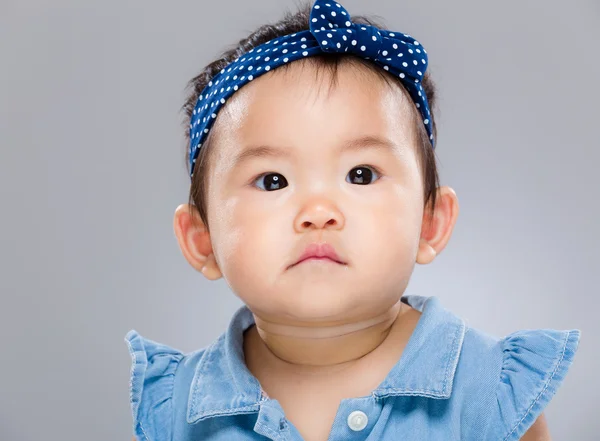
(390, 227)
(245, 240)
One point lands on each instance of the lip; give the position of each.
(321, 251)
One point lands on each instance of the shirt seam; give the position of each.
(459, 329)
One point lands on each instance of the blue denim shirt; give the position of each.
(452, 382)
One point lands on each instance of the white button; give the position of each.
(357, 420)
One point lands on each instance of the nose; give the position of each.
(319, 214)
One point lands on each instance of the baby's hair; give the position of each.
(289, 24)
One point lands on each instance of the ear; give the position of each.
(436, 231)
(194, 241)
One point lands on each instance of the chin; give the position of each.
(309, 305)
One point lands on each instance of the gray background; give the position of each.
(92, 168)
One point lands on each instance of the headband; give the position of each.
(331, 30)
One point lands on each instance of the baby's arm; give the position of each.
(538, 431)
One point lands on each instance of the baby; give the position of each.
(314, 191)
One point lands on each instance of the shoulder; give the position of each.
(151, 386)
(506, 383)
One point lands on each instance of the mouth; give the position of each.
(319, 252)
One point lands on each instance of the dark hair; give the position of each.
(292, 23)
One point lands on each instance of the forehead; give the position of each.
(308, 102)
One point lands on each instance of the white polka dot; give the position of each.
(415, 62)
(402, 75)
(410, 51)
(345, 38)
(418, 51)
(323, 16)
(416, 43)
(284, 51)
(214, 115)
(423, 60)
(303, 39)
(222, 101)
(392, 34)
(348, 24)
(419, 73)
(324, 42)
(305, 53)
(353, 42)
(418, 105)
(314, 20)
(250, 77)
(333, 13)
(249, 68)
(405, 64)
(303, 46)
(400, 54)
(329, 35)
(363, 48)
(210, 83)
(384, 53)
(267, 58)
(374, 38)
(386, 68)
(266, 68)
(339, 45)
(316, 6)
(426, 121)
(285, 60)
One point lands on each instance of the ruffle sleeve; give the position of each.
(151, 387)
(534, 365)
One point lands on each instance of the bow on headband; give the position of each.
(331, 30)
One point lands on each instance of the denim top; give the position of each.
(452, 382)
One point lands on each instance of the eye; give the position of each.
(362, 175)
(271, 181)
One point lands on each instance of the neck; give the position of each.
(322, 348)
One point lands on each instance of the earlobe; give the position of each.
(436, 231)
(194, 241)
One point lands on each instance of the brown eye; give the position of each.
(362, 175)
(271, 181)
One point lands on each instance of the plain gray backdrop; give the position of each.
(92, 169)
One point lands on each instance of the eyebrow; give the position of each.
(361, 143)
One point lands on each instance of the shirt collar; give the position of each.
(223, 385)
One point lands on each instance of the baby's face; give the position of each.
(297, 163)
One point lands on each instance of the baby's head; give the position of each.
(329, 149)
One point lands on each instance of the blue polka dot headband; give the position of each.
(331, 30)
